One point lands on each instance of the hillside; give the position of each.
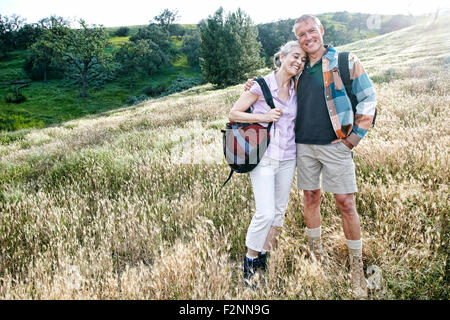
(58, 99)
(127, 204)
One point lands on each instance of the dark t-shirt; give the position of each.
(313, 124)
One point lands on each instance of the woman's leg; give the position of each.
(283, 181)
(263, 183)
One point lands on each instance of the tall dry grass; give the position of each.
(103, 208)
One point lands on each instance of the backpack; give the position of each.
(244, 144)
(345, 76)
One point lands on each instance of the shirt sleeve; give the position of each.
(364, 91)
(256, 89)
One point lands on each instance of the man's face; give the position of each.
(309, 34)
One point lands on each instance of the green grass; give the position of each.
(57, 101)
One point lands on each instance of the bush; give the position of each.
(181, 84)
(35, 70)
(13, 96)
(15, 122)
(122, 32)
(142, 97)
(152, 91)
(132, 100)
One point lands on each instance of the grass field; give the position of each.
(110, 207)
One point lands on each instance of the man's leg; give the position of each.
(352, 231)
(311, 211)
(350, 219)
(308, 179)
(339, 179)
(311, 214)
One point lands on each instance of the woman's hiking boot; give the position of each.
(251, 266)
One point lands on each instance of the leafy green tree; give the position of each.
(122, 32)
(27, 35)
(84, 49)
(49, 47)
(190, 48)
(158, 35)
(166, 18)
(272, 36)
(177, 30)
(9, 27)
(229, 49)
(138, 58)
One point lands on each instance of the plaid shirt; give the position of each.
(347, 125)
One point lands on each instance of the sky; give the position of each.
(112, 13)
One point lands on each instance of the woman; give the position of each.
(272, 178)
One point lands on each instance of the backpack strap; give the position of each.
(266, 92)
(229, 177)
(345, 76)
(267, 96)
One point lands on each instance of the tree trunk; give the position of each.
(84, 82)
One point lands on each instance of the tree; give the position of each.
(84, 49)
(9, 28)
(138, 58)
(190, 48)
(122, 32)
(49, 47)
(273, 35)
(166, 18)
(228, 47)
(158, 35)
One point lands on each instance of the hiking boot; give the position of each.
(253, 265)
(315, 249)
(359, 283)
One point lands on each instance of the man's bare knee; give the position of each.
(346, 203)
(311, 198)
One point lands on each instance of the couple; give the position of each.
(316, 130)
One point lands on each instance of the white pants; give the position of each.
(271, 181)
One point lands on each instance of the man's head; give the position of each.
(309, 32)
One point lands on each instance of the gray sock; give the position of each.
(314, 233)
(355, 245)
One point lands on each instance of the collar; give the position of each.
(273, 85)
(328, 54)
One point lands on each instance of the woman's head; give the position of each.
(291, 58)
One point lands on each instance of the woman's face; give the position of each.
(294, 61)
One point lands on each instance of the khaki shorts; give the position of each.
(333, 161)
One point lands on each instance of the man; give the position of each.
(326, 131)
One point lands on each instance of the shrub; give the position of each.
(182, 83)
(13, 96)
(15, 122)
(131, 100)
(122, 32)
(152, 91)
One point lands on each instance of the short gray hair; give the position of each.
(284, 50)
(306, 17)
